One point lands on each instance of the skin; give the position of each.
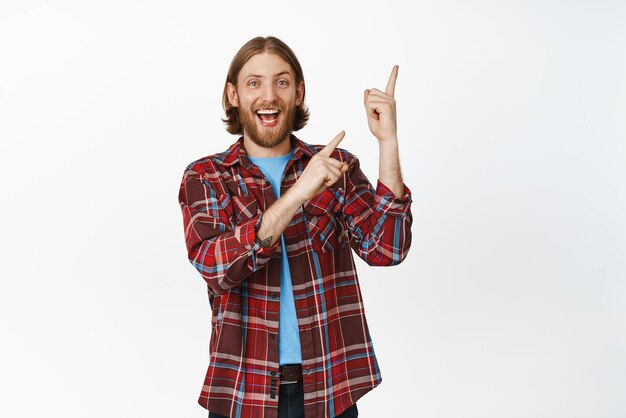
(266, 80)
(381, 119)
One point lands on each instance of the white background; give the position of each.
(512, 301)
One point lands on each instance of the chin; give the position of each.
(276, 136)
(268, 143)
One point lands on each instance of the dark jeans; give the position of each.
(291, 403)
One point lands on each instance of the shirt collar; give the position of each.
(237, 152)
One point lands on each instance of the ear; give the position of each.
(299, 93)
(231, 92)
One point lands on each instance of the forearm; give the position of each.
(379, 225)
(389, 167)
(275, 218)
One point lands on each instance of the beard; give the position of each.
(271, 136)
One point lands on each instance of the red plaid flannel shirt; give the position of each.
(222, 197)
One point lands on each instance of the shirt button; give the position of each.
(274, 295)
(272, 336)
(276, 255)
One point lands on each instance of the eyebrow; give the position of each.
(260, 76)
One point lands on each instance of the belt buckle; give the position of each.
(285, 382)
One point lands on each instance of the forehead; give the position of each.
(266, 65)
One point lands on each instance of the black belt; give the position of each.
(290, 373)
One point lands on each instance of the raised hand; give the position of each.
(322, 171)
(381, 109)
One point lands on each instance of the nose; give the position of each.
(267, 93)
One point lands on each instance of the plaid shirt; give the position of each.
(222, 197)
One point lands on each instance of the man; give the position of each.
(270, 224)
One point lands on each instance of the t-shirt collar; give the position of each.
(237, 152)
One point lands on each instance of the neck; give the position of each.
(256, 151)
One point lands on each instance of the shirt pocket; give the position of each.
(323, 219)
(245, 207)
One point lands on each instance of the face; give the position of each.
(267, 97)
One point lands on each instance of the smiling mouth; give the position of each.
(268, 117)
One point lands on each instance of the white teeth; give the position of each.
(266, 111)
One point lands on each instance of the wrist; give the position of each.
(388, 143)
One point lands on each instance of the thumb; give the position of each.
(366, 93)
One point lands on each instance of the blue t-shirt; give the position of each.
(289, 351)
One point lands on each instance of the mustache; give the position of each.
(273, 105)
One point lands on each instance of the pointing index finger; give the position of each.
(391, 84)
(330, 147)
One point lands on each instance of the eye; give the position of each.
(253, 83)
(282, 83)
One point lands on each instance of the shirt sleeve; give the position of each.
(378, 222)
(225, 253)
